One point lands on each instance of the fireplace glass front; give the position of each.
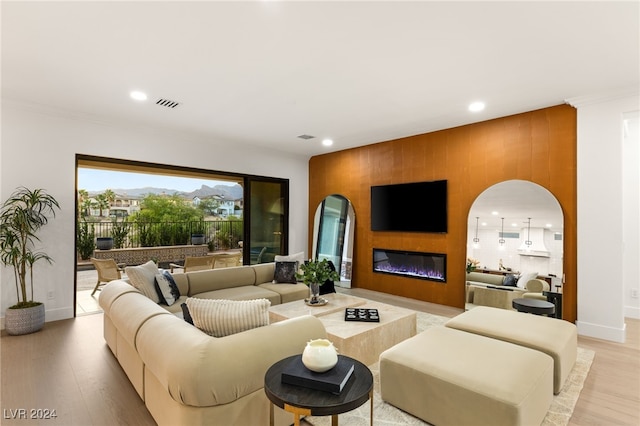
(426, 266)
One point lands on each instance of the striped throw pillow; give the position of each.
(219, 318)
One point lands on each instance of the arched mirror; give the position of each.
(333, 230)
(516, 227)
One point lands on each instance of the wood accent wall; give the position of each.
(538, 146)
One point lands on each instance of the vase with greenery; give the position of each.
(472, 264)
(314, 274)
(21, 217)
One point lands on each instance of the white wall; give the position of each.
(38, 149)
(601, 230)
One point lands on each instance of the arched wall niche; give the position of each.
(517, 226)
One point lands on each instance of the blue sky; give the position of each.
(99, 180)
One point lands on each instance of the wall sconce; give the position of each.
(501, 239)
(476, 240)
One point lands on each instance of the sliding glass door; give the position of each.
(268, 225)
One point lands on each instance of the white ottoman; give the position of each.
(449, 377)
(555, 337)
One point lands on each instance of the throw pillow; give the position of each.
(524, 279)
(220, 318)
(285, 272)
(143, 277)
(166, 288)
(185, 313)
(510, 280)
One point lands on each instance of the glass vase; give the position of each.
(314, 292)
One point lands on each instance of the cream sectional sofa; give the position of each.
(186, 377)
(488, 290)
(236, 283)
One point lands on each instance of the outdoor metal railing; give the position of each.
(220, 233)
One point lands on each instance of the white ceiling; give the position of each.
(262, 73)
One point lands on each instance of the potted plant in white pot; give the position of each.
(21, 217)
(314, 274)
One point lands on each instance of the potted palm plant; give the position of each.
(21, 217)
(314, 274)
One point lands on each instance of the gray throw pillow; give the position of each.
(285, 272)
(510, 280)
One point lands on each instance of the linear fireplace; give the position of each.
(425, 266)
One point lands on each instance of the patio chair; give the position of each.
(194, 263)
(108, 270)
(261, 254)
(226, 260)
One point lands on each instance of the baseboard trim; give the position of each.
(631, 312)
(602, 332)
(58, 314)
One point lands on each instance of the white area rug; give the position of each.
(387, 415)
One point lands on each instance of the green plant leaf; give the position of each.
(317, 271)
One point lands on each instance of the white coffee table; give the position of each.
(297, 308)
(364, 341)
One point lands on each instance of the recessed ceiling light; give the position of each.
(476, 106)
(495, 213)
(548, 225)
(138, 96)
(327, 142)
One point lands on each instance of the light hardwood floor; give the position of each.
(67, 367)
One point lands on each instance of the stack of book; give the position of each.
(334, 380)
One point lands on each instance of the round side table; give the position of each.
(302, 401)
(533, 306)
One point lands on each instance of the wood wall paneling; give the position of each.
(538, 146)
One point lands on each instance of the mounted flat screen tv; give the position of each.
(410, 207)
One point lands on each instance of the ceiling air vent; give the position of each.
(305, 137)
(167, 103)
